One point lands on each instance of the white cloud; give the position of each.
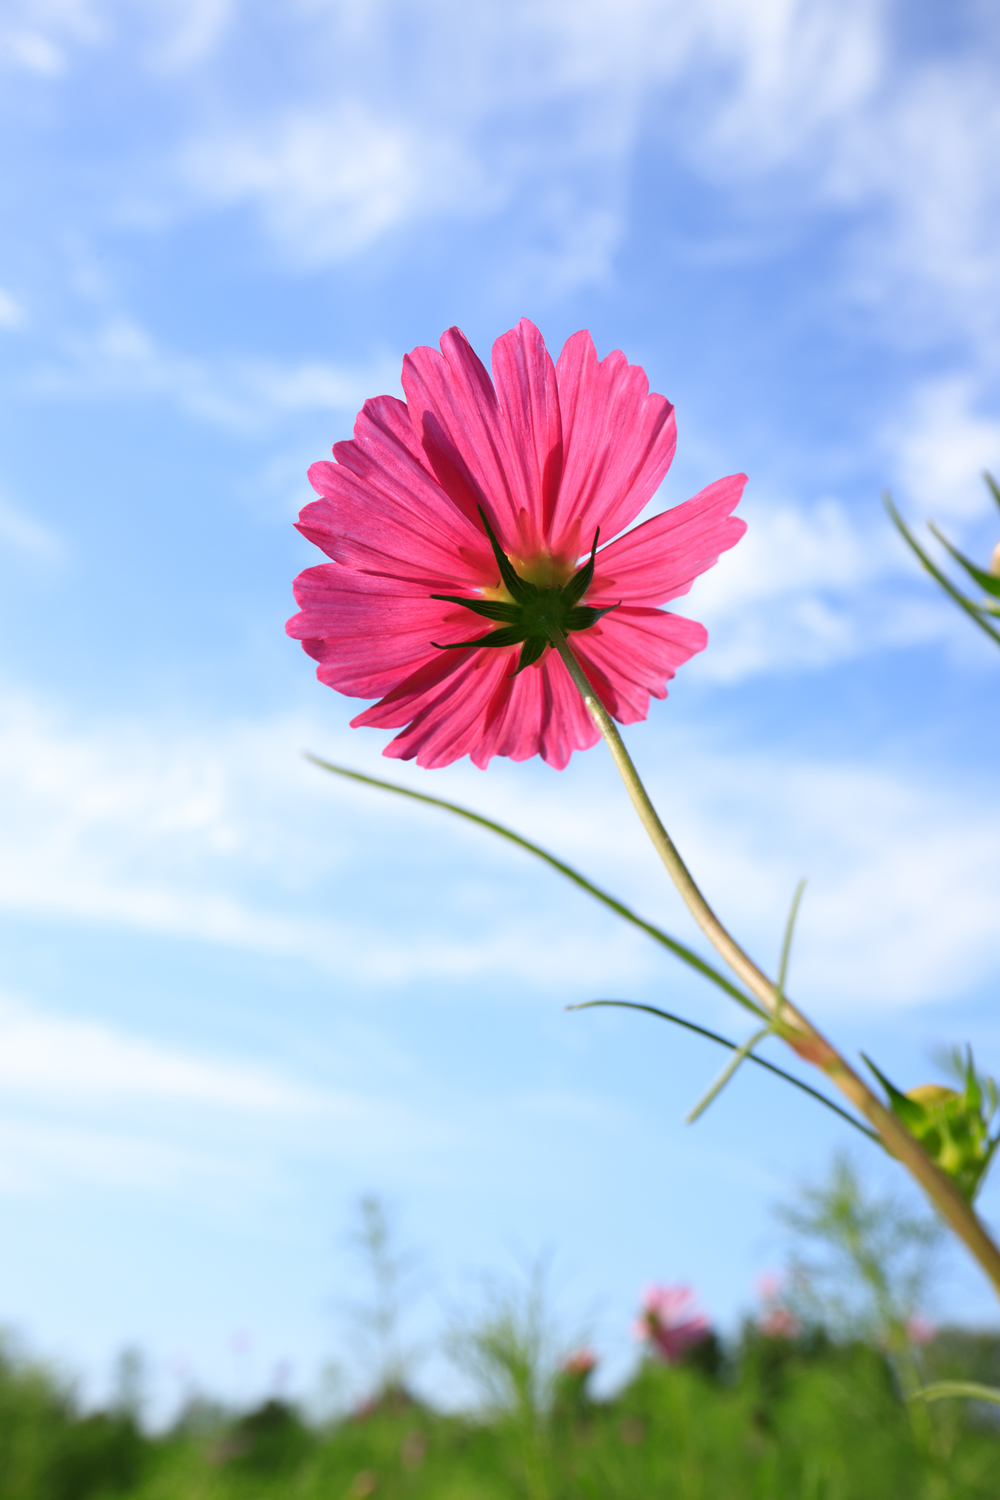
(186, 32)
(44, 1055)
(39, 36)
(329, 182)
(225, 837)
(231, 838)
(24, 534)
(904, 875)
(808, 586)
(12, 314)
(941, 448)
(243, 394)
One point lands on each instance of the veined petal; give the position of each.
(660, 559)
(525, 380)
(456, 414)
(632, 655)
(382, 511)
(369, 632)
(618, 443)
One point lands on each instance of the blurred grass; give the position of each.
(809, 1420)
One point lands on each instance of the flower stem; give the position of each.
(788, 1021)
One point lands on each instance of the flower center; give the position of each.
(533, 608)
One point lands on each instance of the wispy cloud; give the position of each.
(44, 1055)
(946, 439)
(329, 182)
(21, 533)
(121, 360)
(12, 314)
(40, 38)
(226, 838)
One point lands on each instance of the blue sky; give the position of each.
(233, 994)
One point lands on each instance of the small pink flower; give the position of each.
(777, 1321)
(579, 1363)
(919, 1330)
(414, 608)
(670, 1321)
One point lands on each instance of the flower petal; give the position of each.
(618, 442)
(632, 654)
(369, 632)
(525, 380)
(660, 559)
(382, 511)
(456, 414)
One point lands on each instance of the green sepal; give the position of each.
(909, 1111)
(533, 648)
(490, 609)
(988, 581)
(510, 635)
(534, 613)
(516, 586)
(993, 486)
(578, 585)
(582, 616)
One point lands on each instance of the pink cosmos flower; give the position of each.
(777, 1321)
(456, 522)
(920, 1330)
(670, 1321)
(580, 1363)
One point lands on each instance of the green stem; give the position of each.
(789, 1021)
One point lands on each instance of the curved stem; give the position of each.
(789, 1021)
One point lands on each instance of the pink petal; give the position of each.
(618, 442)
(525, 380)
(455, 411)
(381, 511)
(660, 559)
(370, 632)
(632, 654)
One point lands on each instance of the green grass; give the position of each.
(813, 1421)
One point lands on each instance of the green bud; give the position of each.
(952, 1127)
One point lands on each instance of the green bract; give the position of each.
(534, 612)
(953, 1128)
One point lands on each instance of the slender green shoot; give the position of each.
(970, 1389)
(747, 1049)
(970, 609)
(680, 950)
(713, 1036)
(786, 947)
(740, 1054)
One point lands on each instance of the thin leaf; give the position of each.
(942, 1389)
(713, 1036)
(741, 1053)
(991, 482)
(678, 949)
(789, 932)
(988, 581)
(960, 600)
